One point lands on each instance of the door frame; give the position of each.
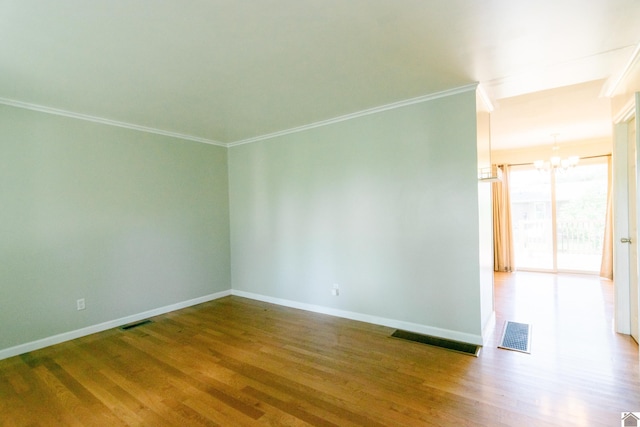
(621, 253)
(621, 228)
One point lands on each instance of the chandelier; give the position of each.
(555, 162)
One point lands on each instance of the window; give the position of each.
(559, 217)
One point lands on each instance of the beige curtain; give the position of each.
(502, 237)
(606, 267)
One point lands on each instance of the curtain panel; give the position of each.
(502, 235)
(606, 267)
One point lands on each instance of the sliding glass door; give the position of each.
(559, 217)
(581, 199)
(532, 218)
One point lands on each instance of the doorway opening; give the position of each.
(559, 217)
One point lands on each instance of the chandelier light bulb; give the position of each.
(556, 162)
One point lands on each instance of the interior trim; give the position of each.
(78, 333)
(488, 329)
(109, 122)
(635, 56)
(627, 112)
(484, 97)
(357, 114)
(376, 320)
(116, 123)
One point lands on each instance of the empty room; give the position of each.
(330, 213)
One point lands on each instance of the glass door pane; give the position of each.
(531, 216)
(581, 204)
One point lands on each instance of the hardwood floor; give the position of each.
(238, 362)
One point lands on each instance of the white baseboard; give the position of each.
(71, 335)
(392, 323)
(489, 328)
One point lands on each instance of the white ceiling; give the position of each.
(570, 114)
(231, 70)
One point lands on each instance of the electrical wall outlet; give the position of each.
(336, 290)
(80, 304)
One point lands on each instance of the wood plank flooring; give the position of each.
(238, 362)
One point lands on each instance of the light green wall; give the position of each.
(130, 221)
(385, 205)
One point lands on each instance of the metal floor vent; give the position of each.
(516, 336)
(457, 346)
(135, 325)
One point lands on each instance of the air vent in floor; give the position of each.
(457, 346)
(516, 336)
(135, 325)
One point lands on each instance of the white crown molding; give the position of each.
(95, 119)
(376, 320)
(633, 60)
(484, 97)
(626, 113)
(374, 110)
(71, 335)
